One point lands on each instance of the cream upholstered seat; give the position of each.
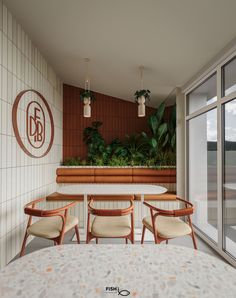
(50, 227)
(110, 223)
(111, 226)
(168, 227)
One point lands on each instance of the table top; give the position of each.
(231, 186)
(144, 271)
(111, 188)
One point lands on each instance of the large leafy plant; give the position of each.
(157, 139)
(172, 129)
(136, 149)
(94, 141)
(154, 149)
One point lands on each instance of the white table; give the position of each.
(146, 271)
(231, 186)
(113, 189)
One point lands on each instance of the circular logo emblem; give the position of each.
(33, 123)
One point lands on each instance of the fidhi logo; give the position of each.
(116, 290)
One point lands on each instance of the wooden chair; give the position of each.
(53, 226)
(111, 223)
(166, 224)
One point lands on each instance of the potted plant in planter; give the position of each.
(140, 97)
(87, 96)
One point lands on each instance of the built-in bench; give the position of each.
(115, 175)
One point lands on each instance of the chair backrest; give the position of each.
(187, 211)
(111, 212)
(30, 209)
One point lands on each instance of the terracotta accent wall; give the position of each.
(119, 118)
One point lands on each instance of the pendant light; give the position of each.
(141, 99)
(141, 95)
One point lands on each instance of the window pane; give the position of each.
(203, 172)
(229, 202)
(229, 75)
(202, 95)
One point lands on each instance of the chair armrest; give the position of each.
(176, 212)
(183, 212)
(188, 210)
(45, 213)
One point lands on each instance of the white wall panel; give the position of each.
(23, 178)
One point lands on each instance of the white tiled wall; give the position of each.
(22, 178)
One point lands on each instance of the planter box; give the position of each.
(116, 175)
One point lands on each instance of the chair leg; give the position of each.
(126, 240)
(61, 238)
(96, 240)
(87, 239)
(166, 241)
(143, 233)
(194, 239)
(192, 233)
(24, 244)
(77, 234)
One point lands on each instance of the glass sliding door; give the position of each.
(229, 186)
(202, 172)
(211, 157)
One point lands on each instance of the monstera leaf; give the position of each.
(160, 112)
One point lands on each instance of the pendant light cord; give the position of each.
(87, 79)
(141, 76)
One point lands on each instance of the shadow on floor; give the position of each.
(39, 243)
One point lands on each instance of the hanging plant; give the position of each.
(87, 94)
(145, 93)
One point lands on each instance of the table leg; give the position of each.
(83, 230)
(142, 208)
(85, 212)
(138, 230)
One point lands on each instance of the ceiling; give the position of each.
(172, 39)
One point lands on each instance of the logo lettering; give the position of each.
(35, 128)
(117, 291)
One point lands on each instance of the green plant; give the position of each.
(167, 158)
(136, 149)
(94, 140)
(74, 161)
(162, 141)
(151, 162)
(117, 148)
(143, 92)
(97, 161)
(153, 149)
(172, 129)
(87, 94)
(159, 136)
(118, 161)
